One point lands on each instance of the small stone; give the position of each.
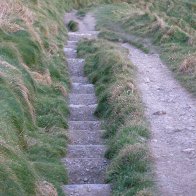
(89, 189)
(85, 179)
(177, 130)
(159, 113)
(188, 150)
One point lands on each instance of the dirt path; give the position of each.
(85, 160)
(171, 112)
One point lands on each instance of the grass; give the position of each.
(119, 105)
(33, 108)
(72, 26)
(159, 25)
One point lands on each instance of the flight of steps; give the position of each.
(85, 160)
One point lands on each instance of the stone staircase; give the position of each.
(85, 160)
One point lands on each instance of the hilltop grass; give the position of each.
(119, 105)
(167, 25)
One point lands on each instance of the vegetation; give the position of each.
(33, 88)
(119, 105)
(168, 25)
(34, 84)
(72, 26)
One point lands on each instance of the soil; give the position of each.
(171, 111)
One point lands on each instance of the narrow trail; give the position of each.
(171, 112)
(85, 160)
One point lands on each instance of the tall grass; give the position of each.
(119, 105)
(33, 109)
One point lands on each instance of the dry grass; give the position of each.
(189, 64)
(45, 188)
(44, 79)
(9, 9)
(19, 85)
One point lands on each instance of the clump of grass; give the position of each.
(119, 105)
(73, 26)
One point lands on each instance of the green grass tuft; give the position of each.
(73, 26)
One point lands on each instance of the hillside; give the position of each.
(35, 83)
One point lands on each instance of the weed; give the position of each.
(72, 26)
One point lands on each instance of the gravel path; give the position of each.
(85, 160)
(171, 112)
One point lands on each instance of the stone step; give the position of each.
(84, 125)
(86, 151)
(86, 137)
(78, 36)
(82, 112)
(74, 61)
(76, 69)
(86, 170)
(72, 44)
(82, 99)
(79, 79)
(70, 52)
(79, 88)
(87, 190)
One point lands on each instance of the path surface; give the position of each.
(171, 112)
(85, 160)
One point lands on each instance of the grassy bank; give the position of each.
(119, 106)
(170, 26)
(33, 87)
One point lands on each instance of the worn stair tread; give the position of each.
(86, 151)
(82, 112)
(80, 88)
(72, 44)
(70, 52)
(86, 137)
(87, 190)
(82, 99)
(75, 60)
(77, 36)
(84, 125)
(77, 69)
(79, 79)
(86, 170)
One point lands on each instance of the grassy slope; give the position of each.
(170, 25)
(119, 106)
(33, 85)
